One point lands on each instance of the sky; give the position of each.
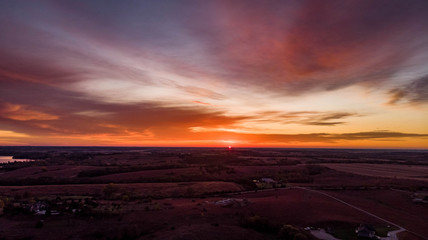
(346, 74)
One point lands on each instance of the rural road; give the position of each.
(393, 234)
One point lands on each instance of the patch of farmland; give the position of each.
(382, 170)
(54, 171)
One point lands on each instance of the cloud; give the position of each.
(11, 134)
(307, 46)
(376, 135)
(94, 113)
(207, 104)
(292, 48)
(333, 138)
(320, 137)
(23, 113)
(202, 92)
(305, 117)
(415, 92)
(86, 116)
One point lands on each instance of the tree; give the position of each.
(110, 189)
(288, 232)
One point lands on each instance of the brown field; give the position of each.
(293, 206)
(393, 205)
(162, 173)
(383, 170)
(197, 218)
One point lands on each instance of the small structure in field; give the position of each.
(39, 208)
(267, 180)
(365, 230)
(232, 202)
(420, 197)
(266, 183)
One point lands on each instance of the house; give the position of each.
(365, 230)
(420, 197)
(263, 183)
(39, 208)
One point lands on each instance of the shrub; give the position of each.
(315, 169)
(259, 224)
(300, 236)
(288, 232)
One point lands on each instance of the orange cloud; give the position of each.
(23, 113)
(208, 104)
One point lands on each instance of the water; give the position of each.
(6, 159)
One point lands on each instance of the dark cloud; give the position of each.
(296, 47)
(312, 46)
(415, 92)
(84, 116)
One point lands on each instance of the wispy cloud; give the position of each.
(323, 137)
(23, 113)
(415, 92)
(305, 117)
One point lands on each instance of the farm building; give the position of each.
(365, 230)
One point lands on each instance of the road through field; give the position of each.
(393, 234)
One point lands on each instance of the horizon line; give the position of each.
(240, 147)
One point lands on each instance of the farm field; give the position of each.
(54, 171)
(156, 190)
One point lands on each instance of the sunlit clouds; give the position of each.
(192, 73)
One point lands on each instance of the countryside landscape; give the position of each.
(209, 193)
(214, 119)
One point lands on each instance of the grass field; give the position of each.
(138, 189)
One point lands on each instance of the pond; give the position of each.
(6, 159)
